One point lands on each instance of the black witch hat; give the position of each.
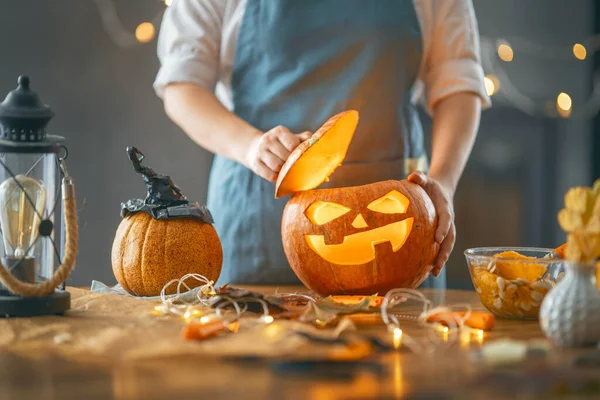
(164, 199)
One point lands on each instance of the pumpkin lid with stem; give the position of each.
(315, 159)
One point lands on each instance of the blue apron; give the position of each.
(298, 62)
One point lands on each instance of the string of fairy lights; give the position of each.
(496, 55)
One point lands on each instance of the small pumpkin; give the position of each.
(162, 238)
(352, 240)
(148, 253)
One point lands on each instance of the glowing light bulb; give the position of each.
(579, 51)
(465, 339)
(445, 329)
(480, 334)
(492, 84)
(145, 32)
(563, 101)
(23, 200)
(490, 88)
(204, 320)
(397, 338)
(168, 3)
(267, 319)
(505, 52)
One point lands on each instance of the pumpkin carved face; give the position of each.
(359, 247)
(358, 240)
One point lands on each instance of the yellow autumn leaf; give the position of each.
(596, 253)
(569, 220)
(596, 188)
(596, 210)
(587, 245)
(590, 247)
(577, 199)
(593, 225)
(573, 252)
(581, 220)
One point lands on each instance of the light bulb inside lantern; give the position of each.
(397, 338)
(22, 200)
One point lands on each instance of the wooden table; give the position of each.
(455, 374)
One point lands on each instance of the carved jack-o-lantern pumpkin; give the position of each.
(352, 240)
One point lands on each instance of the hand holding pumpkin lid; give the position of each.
(315, 159)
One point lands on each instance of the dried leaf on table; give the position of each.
(294, 300)
(314, 314)
(327, 310)
(252, 300)
(329, 304)
(223, 288)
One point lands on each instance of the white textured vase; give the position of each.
(570, 313)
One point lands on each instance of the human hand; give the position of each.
(442, 198)
(270, 150)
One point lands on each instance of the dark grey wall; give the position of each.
(104, 102)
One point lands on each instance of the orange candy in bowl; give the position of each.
(512, 282)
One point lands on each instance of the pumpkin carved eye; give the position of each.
(321, 212)
(392, 203)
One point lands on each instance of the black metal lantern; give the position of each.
(32, 177)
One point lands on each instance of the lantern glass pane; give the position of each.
(23, 211)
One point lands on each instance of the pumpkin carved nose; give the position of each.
(359, 222)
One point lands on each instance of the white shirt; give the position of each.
(197, 44)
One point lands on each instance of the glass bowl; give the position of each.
(511, 282)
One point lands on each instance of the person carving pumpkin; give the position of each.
(249, 80)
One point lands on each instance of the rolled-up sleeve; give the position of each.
(189, 43)
(453, 60)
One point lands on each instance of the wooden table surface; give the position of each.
(455, 374)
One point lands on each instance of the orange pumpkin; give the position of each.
(352, 240)
(147, 253)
